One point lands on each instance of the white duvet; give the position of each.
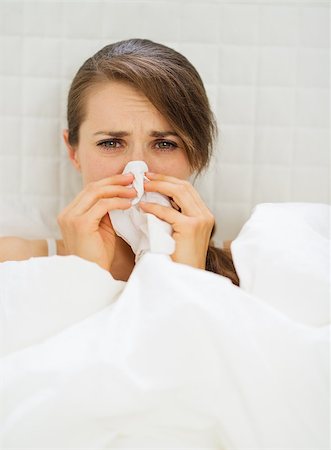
(176, 357)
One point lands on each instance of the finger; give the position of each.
(162, 212)
(93, 194)
(160, 177)
(118, 179)
(91, 219)
(181, 194)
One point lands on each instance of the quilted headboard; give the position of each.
(265, 66)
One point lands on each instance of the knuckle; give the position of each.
(61, 218)
(200, 222)
(186, 183)
(65, 220)
(187, 186)
(195, 224)
(103, 202)
(91, 187)
(210, 219)
(79, 224)
(183, 187)
(69, 222)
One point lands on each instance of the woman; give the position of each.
(135, 100)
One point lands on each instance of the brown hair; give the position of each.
(174, 87)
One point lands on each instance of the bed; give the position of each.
(176, 357)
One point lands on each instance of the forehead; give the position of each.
(116, 99)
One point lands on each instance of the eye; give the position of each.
(166, 145)
(109, 144)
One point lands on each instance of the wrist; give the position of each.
(60, 248)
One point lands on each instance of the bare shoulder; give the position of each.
(14, 248)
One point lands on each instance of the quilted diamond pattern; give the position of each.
(265, 66)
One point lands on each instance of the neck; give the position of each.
(123, 262)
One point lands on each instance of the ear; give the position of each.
(72, 151)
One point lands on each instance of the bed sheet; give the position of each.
(176, 357)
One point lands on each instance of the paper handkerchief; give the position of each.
(143, 231)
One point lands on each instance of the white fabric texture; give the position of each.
(283, 256)
(17, 218)
(28, 315)
(176, 357)
(143, 231)
(182, 359)
(265, 66)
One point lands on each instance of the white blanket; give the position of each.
(175, 358)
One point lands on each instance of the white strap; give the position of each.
(51, 244)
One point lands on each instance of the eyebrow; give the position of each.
(120, 134)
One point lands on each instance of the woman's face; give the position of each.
(122, 125)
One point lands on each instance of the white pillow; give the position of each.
(20, 219)
(282, 256)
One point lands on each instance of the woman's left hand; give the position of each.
(192, 225)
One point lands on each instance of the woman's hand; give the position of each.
(85, 224)
(192, 225)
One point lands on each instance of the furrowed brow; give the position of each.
(120, 134)
(113, 133)
(163, 133)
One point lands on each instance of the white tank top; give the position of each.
(51, 244)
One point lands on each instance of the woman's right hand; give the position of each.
(85, 224)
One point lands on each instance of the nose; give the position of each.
(139, 153)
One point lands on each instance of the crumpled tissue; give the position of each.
(144, 232)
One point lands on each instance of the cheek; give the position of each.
(175, 167)
(95, 168)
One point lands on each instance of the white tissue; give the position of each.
(143, 231)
